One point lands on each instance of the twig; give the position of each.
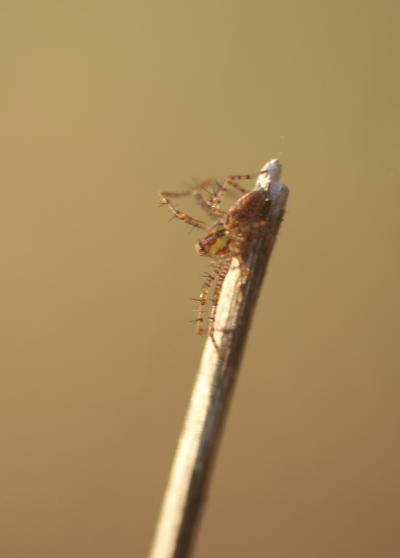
(209, 402)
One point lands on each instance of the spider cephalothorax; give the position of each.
(226, 238)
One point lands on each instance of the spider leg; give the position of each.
(179, 214)
(205, 289)
(209, 207)
(232, 182)
(196, 192)
(223, 270)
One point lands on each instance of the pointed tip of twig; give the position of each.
(269, 174)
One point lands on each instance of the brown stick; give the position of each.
(211, 394)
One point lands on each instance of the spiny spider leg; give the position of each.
(223, 270)
(208, 205)
(179, 214)
(205, 289)
(196, 192)
(231, 182)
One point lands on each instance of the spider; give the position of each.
(225, 239)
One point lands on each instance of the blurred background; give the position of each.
(103, 104)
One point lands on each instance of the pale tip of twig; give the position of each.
(269, 174)
(269, 180)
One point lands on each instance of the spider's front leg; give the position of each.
(179, 214)
(222, 272)
(205, 289)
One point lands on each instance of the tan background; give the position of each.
(105, 103)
